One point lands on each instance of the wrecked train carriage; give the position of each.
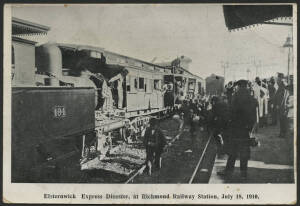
(187, 86)
(135, 85)
(56, 91)
(127, 91)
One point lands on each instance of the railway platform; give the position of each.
(271, 162)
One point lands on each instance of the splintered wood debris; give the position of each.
(126, 158)
(109, 166)
(123, 159)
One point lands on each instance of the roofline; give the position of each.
(214, 75)
(169, 67)
(80, 47)
(99, 49)
(22, 22)
(141, 61)
(17, 39)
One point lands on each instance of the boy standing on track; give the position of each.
(154, 142)
(191, 122)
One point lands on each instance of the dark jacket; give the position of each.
(194, 107)
(243, 112)
(156, 140)
(272, 92)
(229, 93)
(278, 98)
(220, 115)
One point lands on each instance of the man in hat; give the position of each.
(264, 102)
(154, 142)
(242, 120)
(272, 108)
(229, 91)
(256, 94)
(281, 106)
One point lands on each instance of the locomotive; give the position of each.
(69, 99)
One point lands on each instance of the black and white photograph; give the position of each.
(200, 95)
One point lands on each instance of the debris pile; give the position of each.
(122, 159)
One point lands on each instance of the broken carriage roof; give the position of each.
(183, 69)
(101, 50)
(241, 16)
(77, 47)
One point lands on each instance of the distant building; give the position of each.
(214, 84)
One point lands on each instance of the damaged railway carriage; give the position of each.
(74, 102)
(187, 86)
(136, 86)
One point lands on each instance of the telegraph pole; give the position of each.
(224, 65)
(289, 45)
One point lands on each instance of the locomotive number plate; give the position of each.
(59, 111)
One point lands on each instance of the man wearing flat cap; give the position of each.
(242, 120)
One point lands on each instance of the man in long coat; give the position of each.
(242, 120)
(272, 108)
(281, 97)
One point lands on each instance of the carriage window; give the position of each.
(141, 83)
(135, 83)
(191, 85)
(12, 56)
(156, 84)
(12, 62)
(128, 88)
(128, 84)
(132, 84)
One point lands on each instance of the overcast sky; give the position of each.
(165, 31)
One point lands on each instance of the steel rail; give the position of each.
(200, 160)
(138, 172)
(144, 165)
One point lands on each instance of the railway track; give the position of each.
(143, 167)
(139, 171)
(196, 170)
(195, 166)
(102, 176)
(202, 169)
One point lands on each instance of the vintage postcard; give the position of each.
(150, 103)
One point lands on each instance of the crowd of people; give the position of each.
(272, 98)
(232, 118)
